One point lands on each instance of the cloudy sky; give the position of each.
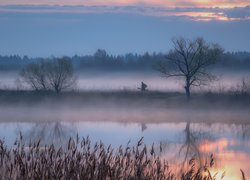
(68, 27)
(162, 3)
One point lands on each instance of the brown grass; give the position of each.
(82, 160)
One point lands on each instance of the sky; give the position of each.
(161, 3)
(68, 27)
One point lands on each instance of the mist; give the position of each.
(106, 80)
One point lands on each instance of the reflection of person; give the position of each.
(143, 127)
(143, 86)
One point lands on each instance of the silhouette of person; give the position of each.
(143, 86)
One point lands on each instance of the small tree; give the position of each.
(190, 59)
(56, 75)
(60, 74)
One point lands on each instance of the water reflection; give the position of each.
(245, 131)
(190, 147)
(143, 127)
(50, 132)
(230, 144)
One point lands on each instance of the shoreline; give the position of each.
(123, 107)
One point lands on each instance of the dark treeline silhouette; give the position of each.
(101, 59)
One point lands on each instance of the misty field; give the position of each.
(124, 106)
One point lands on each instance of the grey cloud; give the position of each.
(45, 34)
(239, 13)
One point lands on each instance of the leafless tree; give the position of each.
(35, 75)
(190, 59)
(55, 75)
(60, 74)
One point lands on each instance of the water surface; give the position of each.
(229, 143)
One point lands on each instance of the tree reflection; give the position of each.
(245, 131)
(50, 132)
(192, 138)
(190, 146)
(192, 141)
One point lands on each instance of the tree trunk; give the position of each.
(57, 89)
(187, 89)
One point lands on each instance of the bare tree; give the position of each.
(35, 75)
(190, 59)
(60, 74)
(55, 75)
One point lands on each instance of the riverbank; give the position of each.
(124, 106)
(124, 97)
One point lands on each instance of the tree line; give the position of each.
(188, 60)
(101, 59)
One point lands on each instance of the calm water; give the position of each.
(229, 143)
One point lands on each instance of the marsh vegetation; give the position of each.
(84, 160)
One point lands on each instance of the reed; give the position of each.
(83, 160)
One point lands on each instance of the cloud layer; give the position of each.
(160, 3)
(44, 30)
(197, 14)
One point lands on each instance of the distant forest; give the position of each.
(100, 59)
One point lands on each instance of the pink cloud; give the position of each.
(196, 14)
(161, 3)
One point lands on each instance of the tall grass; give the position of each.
(83, 160)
